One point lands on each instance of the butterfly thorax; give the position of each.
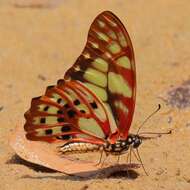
(119, 147)
(122, 146)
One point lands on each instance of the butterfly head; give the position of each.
(134, 141)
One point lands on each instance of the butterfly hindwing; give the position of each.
(67, 111)
(107, 67)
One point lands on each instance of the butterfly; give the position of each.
(92, 107)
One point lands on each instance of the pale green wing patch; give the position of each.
(90, 125)
(118, 85)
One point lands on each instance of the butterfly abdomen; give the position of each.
(79, 147)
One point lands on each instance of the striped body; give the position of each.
(118, 148)
(79, 147)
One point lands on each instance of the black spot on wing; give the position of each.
(82, 111)
(66, 106)
(60, 112)
(43, 120)
(66, 128)
(64, 137)
(59, 100)
(49, 131)
(71, 113)
(60, 119)
(94, 105)
(76, 102)
(46, 108)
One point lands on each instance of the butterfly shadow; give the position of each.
(111, 172)
(15, 159)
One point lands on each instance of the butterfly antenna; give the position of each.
(159, 106)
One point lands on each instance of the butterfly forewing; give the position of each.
(107, 67)
(67, 111)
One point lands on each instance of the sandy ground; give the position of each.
(37, 45)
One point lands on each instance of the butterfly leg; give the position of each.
(128, 161)
(138, 155)
(135, 155)
(101, 155)
(104, 159)
(130, 155)
(118, 158)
